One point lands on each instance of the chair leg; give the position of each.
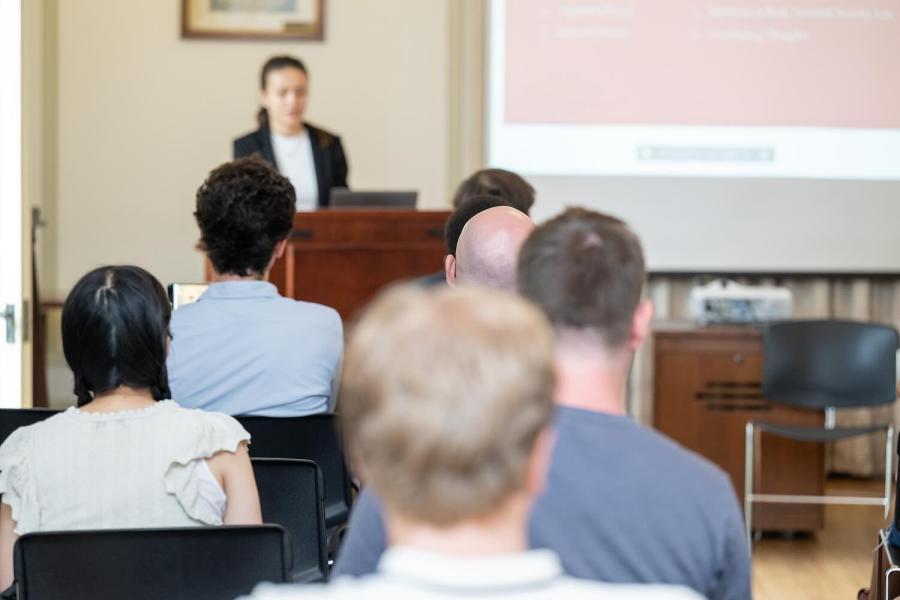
(748, 483)
(888, 469)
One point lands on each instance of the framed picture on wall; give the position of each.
(253, 19)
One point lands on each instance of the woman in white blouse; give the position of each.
(125, 457)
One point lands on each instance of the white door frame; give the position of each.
(11, 217)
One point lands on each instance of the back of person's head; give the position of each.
(586, 270)
(244, 208)
(115, 329)
(496, 182)
(444, 394)
(488, 249)
(463, 213)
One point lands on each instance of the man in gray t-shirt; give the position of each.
(622, 503)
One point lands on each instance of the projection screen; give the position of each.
(733, 135)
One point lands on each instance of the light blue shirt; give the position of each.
(243, 349)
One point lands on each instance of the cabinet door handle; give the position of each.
(738, 359)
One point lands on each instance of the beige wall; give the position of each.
(143, 115)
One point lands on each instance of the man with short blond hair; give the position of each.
(446, 401)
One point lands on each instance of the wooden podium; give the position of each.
(343, 257)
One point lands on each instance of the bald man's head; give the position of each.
(488, 249)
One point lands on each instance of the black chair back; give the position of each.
(195, 563)
(312, 438)
(823, 364)
(291, 494)
(13, 418)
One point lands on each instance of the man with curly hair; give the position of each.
(242, 348)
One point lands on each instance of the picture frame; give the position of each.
(253, 19)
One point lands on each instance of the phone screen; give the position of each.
(185, 293)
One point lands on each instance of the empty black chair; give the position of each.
(825, 365)
(13, 418)
(291, 494)
(312, 438)
(194, 563)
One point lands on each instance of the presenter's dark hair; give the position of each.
(244, 208)
(496, 182)
(586, 270)
(467, 209)
(276, 63)
(115, 325)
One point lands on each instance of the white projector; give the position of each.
(725, 301)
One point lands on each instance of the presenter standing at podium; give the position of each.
(311, 158)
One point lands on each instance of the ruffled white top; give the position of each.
(139, 468)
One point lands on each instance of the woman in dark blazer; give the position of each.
(312, 158)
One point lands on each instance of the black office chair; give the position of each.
(291, 494)
(194, 563)
(824, 365)
(13, 418)
(312, 438)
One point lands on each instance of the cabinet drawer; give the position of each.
(730, 381)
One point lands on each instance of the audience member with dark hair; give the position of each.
(311, 158)
(457, 491)
(126, 456)
(623, 503)
(242, 348)
(499, 183)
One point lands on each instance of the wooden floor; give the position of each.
(834, 564)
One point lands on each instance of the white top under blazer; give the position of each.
(294, 157)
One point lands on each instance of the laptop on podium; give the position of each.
(344, 198)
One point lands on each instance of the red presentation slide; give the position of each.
(778, 63)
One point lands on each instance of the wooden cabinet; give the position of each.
(708, 384)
